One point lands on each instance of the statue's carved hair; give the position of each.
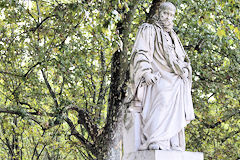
(167, 5)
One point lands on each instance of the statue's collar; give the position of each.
(156, 23)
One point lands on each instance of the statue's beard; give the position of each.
(166, 24)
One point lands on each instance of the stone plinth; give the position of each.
(163, 155)
(131, 132)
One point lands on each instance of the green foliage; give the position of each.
(211, 37)
(55, 63)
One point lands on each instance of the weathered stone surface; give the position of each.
(163, 155)
(131, 132)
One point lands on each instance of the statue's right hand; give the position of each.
(150, 78)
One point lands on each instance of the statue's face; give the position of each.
(167, 15)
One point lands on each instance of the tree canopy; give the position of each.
(64, 74)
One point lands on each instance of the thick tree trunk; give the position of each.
(119, 78)
(116, 97)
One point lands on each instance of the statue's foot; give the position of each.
(153, 146)
(176, 148)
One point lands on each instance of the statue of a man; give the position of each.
(160, 74)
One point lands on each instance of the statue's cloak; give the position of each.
(166, 106)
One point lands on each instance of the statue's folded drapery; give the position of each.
(166, 105)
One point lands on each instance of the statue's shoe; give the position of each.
(153, 146)
(176, 148)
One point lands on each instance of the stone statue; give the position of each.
(160, 74)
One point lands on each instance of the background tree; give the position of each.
(64, 72)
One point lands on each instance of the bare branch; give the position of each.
(3, 110)
(27, 104)
(85, 119)
(219, 122)
(50, 89)
(62, 43)
(28, 114)
(75, 133)
(7, 141)
(41, 152)
(85, 95)
(101, 93)
(35, 148)
(12, 74)
(61, 90)
(93, 84)
(38, 9)
(39, 24)
(230, 135)
(30, 69)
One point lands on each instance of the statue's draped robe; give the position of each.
(166, 106)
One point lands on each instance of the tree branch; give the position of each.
(101, 93)
(29, 115)
(50, 89)
(30, 69)
(12, 74)
(27, 104)
(62, 85)
(36, 145)
(85, 119)
(85, 142)
(39, 24)
(219, 122)
(230, 135)
(7, 141)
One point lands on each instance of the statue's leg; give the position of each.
(175, 143)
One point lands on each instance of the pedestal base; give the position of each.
(163, 155)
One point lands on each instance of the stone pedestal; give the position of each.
(131, 132)
(163, 155)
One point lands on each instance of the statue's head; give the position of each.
(166, 15)
(167, 11)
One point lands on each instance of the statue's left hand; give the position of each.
(151, 78)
